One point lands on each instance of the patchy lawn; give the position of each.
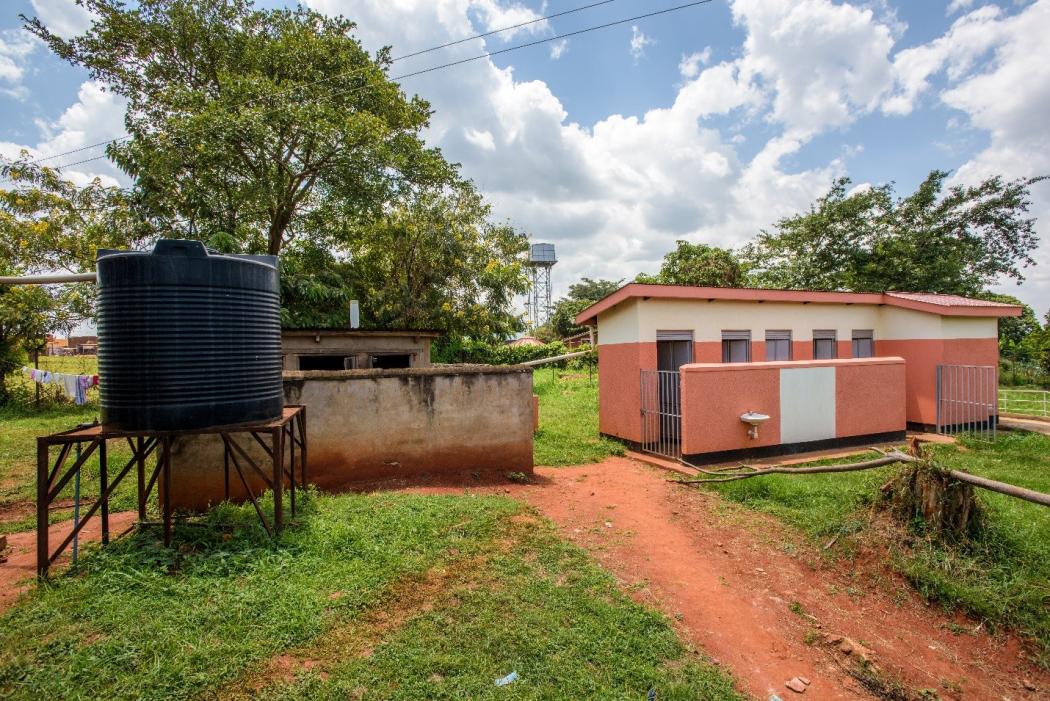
(387, 596)
(568, 432)
(1002, 577)
(20, 427)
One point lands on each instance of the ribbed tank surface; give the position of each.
(188, 339)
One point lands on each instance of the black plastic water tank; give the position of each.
(187, 339)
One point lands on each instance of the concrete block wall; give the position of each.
(811, 405)
(366, 425)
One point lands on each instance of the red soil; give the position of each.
(19, 571)
(728, 578)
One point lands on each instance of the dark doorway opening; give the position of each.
(391, 361)
(322, 362)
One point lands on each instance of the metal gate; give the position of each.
(662, 413)
(967, 399)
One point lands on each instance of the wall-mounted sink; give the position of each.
(754, 419)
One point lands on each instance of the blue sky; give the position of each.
(706, 124)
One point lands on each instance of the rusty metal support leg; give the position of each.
(302, 446)
(165, 456)
(226, 470)
(140, 466)
(248, 491)
(43, 460)
(277, 448)
(291, 462)
(103, 489)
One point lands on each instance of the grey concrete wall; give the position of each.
(366, 425)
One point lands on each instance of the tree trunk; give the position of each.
(930, 499)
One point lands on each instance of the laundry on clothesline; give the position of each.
(75, 386)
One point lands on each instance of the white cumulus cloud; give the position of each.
(638, 43)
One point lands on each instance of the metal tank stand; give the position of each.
(285, 436)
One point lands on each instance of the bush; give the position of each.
(1013, 373)
(462, 350)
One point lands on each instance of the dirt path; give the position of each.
(729, 578)
(18, 573)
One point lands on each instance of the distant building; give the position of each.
(355, 349)
(663, 349)
(525, 341)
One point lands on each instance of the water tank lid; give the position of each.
(187, 248)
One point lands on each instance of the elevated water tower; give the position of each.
(541, 260)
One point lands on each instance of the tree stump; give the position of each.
(924, 496)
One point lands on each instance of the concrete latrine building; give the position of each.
(355, 349)
(815, 364)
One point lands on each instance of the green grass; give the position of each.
(20, 427)
(1003, 576)
(568, 432)
(203, 618)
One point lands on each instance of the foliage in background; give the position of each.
(48, 224)
(437, 263)
(1016, 333)
(466, 350)
(274, 131)
(581, 295)
(252, 123)
(699, 265)
(959, 241)
(27, 315)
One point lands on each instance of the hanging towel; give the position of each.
(47, 378)
(83, 382)
(71, 385)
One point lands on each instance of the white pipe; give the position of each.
(49, 279)
(553, 359)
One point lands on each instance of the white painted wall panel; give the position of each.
(639, 319)
(807, 404)
(619, 324)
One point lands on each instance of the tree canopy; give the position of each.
(275, 131)
(700, 265)
(581, 295)
(252, 124)
(958, 241)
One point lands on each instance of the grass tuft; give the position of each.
(568, 432)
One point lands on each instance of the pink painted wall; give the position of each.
(619, 390)
(922, 356)
(869, 399)
(714, 397)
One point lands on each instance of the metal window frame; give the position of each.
(731, 337)
(774, 335)
(826, 335)
(674, 335)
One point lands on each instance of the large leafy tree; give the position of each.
(581, 295)
(700, 265)
(252, 124)
(432, 261)
(956, 240)
(275, 131)
(48, 223)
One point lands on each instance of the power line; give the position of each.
(485, 55)
(492, 32)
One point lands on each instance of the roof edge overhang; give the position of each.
(634, 290)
